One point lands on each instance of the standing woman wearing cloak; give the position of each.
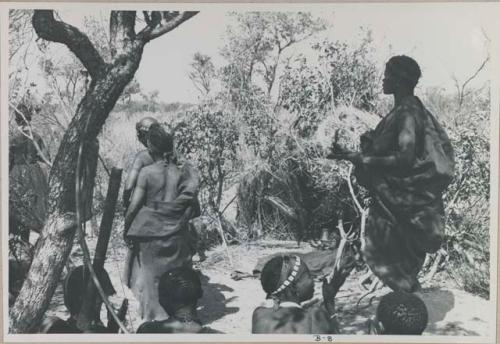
(28, 185)
(156, 222)
(406, 164)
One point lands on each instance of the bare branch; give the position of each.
(170, 21)
(481, 67)
(50, 29)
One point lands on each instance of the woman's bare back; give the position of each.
(162, 182)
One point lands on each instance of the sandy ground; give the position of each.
(227, 304)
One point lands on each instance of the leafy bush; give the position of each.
(467, 200)
(344, 75)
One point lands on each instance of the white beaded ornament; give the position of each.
(290, 278)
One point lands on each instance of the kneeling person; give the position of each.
(74, 292)
(287, 281)
(179, 290)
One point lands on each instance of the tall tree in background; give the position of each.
(258, 39)
(202, 73)
(108, 80)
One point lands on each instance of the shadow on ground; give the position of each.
(439, 303)
(213, 304)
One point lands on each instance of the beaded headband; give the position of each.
(290, 278)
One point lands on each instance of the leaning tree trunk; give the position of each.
(108, 82)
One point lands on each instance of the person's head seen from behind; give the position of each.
(75, 286)
(160, 143)
(402, 313)
(287, 278)
(142, 129)
(178, 289)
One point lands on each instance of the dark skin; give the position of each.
(141, 159)
(156, 182)
(301, 290)
(405, 154)
(182, 319)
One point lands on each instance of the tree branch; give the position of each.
(170, 21)
(50, 29)
(483, 64)
(121, 31)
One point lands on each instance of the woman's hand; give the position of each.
(328, 297)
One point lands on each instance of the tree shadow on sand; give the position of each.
(213, 304)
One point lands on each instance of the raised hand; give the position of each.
(329, 292)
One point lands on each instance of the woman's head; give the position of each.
(160, 143)
(76, 283)
(142, 128)
(401, 73)
(287, 278)
(178, 288)
(402, 313)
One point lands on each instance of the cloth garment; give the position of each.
(406, 218)
(161, 242)
(28, 186)
(151, 259)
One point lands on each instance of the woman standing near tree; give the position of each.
(28, 186)
(156, 223)
(406, 163)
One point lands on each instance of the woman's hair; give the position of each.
(276, 271)
(75, 285)
(402, 313)
(405, 68)
(179, 287)
(142, 128)
(160, 140)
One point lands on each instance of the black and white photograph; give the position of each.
(249, 172)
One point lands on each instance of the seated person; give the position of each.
(287, 281)
(74, 291)
(399, 313)
(179, 290)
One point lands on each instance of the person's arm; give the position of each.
(403, 156)
(189, 185)
(137, 201)
(322, 322)
(131, 180)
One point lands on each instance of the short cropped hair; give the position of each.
(179, 287)
(271, 277)
(402, 313)
(406, 69)
(75, 285)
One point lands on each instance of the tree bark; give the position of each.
(108, 83)
(89, 311)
